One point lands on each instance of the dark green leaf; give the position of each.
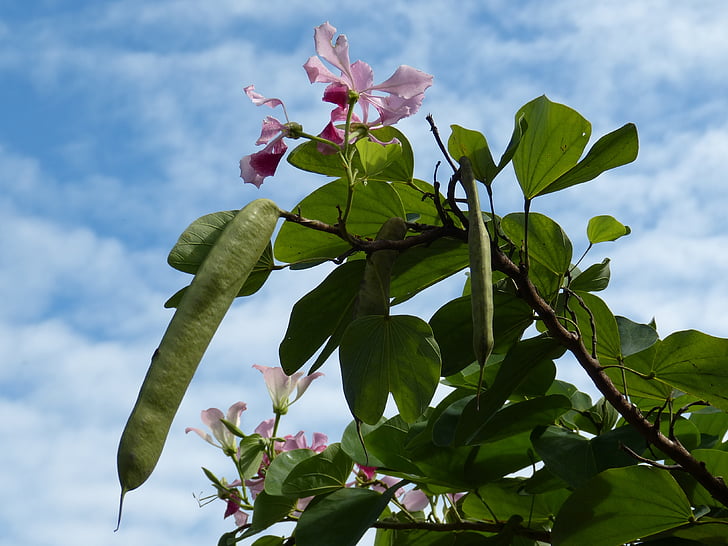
(267, 510)
(575, 459)
(635, 337)
(422, 266)
(341, 518)
(281, 467)
(621, 505)
(318, 314)
(323, 473)
(396, 354)
(412, 199)
(307, 157)
(593, 279)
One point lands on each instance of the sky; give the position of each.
(121, 122)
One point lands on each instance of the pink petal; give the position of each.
(303, 384)
(332, 133)
(211, 416)
(234, 412)
(256, 485)
(415, 500)
(320, 442)
(393, 108)
(337, 54)
(259, 99)
(265, 429)
(294, 442)
(362, 76)
(318, 73)
(256, 167)
(202, 434)
(241, 518)
(406, 82)
(338, 94)
(368, 471)
(271, 129)
(248, 173)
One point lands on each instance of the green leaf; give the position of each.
(522, 417)
(250, 452)
(520, 360)
(506, 497)
(519, 128)
(341, 518)
(307, 157)
(351, 444)
(621, 505)
(612, 150)
(552, 145)
(373, 204)
(422, 266)
(593, 279)
(605, 228)
(474, 145)
(412, 199)
(323, 473)
(281, 467)
(318, 314)
(608, 346)
(375, 158)
(575, 459)
(695, 363)
(635, 337)
(452, 326)
(196, 241)
(269, 541)
(402, 167)
(396, 354)
(267, 510)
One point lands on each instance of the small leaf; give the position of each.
(593, 279)
(605, 228)
(621, 505)
(307, 157)
(465, 142)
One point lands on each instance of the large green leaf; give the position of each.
(373, 204)
(396, 354)
(593, 279)
(341, 518)
(612, 150)
(506, 497)
(575, 459)
(553, 143)
(323, 473)
(415, 204)
(621, 505)
(281, 467)
(608, 347)
(318, 315)
(402, 166)
(468, 417)
(452, 326)
(267, 510)
(695, 363)
(422, 266)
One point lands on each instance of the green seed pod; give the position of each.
(481, 273)
(199, 313)
(373, 297)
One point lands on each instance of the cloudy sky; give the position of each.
(121, 122)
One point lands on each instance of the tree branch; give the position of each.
(534, 534)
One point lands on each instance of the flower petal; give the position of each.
(318, 73)
(234, 412)
(303, 384)
(259, 99)
(336, 54)
(415, 500)
(202, 434)
(265, 429)
(271, 128)
(406, 82)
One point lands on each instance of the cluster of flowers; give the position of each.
(398, 97)
(280, 388)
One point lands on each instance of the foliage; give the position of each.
(524, 458)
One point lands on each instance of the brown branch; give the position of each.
(534, 534)
(673, 449)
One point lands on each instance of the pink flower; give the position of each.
(281, 386)
(212, 418)
(404, 90)
(256, 167)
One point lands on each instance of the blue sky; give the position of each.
(121, 122)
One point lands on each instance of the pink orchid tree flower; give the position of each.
(281, 386)
(403, 91)
(212, 419)
(254, 168)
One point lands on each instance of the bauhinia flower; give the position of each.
(281, 386)
(256, 167)
(403, 91)
(212, 419)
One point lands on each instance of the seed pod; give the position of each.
(199, 313)
(481, 273)
(373, 297)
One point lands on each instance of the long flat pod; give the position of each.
(202, 308)
(481, 274)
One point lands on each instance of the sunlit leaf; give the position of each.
(320, 474)
(605, 228)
